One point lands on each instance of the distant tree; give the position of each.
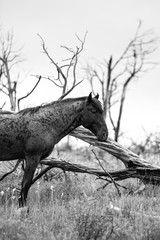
(150, 144)
(9, 59)
(115, 75)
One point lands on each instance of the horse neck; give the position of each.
(66, 116)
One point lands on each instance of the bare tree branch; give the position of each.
(67, 69)
(109, 175)
(29, 93)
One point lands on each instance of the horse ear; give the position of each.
(89, 98)
(97, 96)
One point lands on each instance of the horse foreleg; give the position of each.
(31, 165)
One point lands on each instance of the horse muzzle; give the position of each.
(103, 135)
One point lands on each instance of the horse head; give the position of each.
(93, 119)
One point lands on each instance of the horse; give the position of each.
(31, 133)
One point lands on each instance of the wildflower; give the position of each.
(38, 184)
(13, 190)
(117, 209)
(13, 197)
(2, 193)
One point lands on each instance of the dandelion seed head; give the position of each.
(2, 193)
(13, 190)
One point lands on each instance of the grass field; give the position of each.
(76, 207)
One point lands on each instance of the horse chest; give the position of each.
(41, 144)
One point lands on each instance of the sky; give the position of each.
(110, 26)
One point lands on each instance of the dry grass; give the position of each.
(70, 208)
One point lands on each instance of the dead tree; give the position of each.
(66, 78)
(9, 59)
(115, 75)
(66, 74)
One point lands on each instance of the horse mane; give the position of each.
(32, 110)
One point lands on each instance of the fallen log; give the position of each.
(136, 167)
(147, 175)
(130, 159)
